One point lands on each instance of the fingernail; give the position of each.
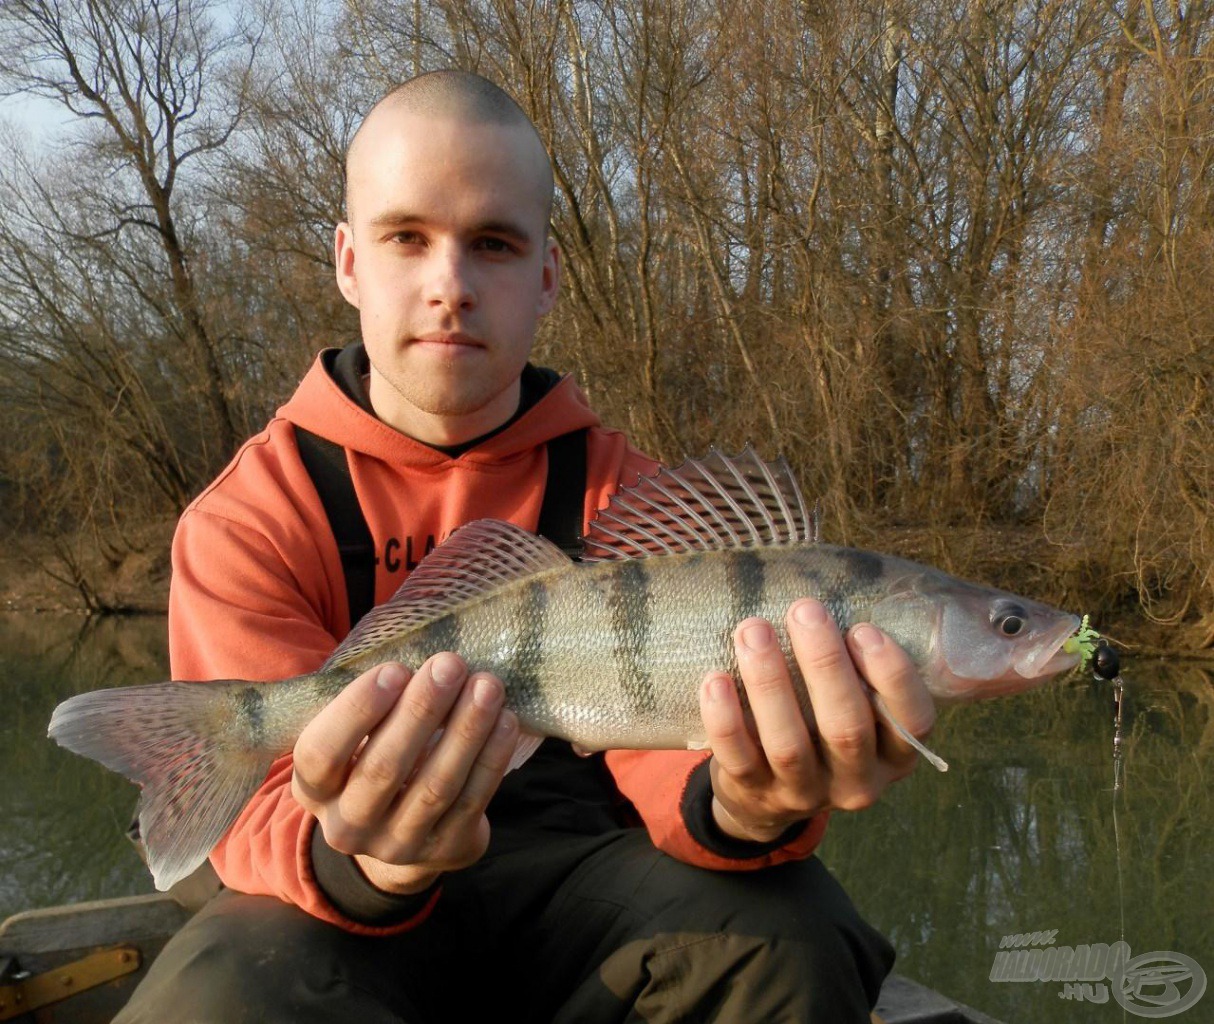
(714, 688)
(446, 670)
(809, 613)
(391, 678)
(484, 692)
(758, 636)
(867, 638)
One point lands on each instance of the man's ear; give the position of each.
(551, 280)
(343, 260)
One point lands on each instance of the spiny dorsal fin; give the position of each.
(476, 559)
(707, 504)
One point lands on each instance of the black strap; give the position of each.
(565, 493)
(330, 472)
(560, 517)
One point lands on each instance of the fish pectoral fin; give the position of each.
(935, 760)
(528, 743)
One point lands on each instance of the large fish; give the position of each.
(606, 653)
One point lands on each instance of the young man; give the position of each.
(385, 871)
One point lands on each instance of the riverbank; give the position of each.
(133, 579)
(79, 575)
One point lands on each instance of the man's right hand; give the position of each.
(399, 768)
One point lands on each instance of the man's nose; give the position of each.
(450, 282)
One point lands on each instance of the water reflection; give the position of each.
(1017, 837)
(63, 818)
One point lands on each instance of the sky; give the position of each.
(44, 120)
(41, 120)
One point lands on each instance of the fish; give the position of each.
(606, 652)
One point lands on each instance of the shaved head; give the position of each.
(456, 96)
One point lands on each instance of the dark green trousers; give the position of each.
(573, 928)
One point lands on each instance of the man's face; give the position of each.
(447, 258)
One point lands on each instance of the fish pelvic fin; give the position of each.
(477, 559)
(935, 760)
(177, 742)
(715, 503)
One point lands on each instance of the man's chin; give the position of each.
(445, 413)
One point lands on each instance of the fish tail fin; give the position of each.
(180, 742)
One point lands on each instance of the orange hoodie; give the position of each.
(258, 593)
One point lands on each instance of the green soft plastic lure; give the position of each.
(1084, 642)
(1095, 651)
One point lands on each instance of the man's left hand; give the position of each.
(772, 769)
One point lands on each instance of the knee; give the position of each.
(793, 923)
(792, 901)
(241, 958)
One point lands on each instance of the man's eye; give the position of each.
(497, 245)
(407, 238)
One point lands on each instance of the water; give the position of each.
(1021, 835)
(62, 818)
(1026, 834)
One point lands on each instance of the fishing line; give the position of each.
(1118, 795)
(1106, 665)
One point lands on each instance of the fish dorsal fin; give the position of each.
(476, 559)
(707, 504)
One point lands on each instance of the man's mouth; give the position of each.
(449, 339)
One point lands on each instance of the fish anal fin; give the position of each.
(475, 560)
(528, 744)
(709, 504)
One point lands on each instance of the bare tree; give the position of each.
(162, 89)
(950, 259)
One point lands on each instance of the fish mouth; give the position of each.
(1047, 658)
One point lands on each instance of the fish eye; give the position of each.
(1009, 620)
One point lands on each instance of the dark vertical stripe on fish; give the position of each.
(814, 580)
(864, 567)
(443, 634)
(856, 572)
(746, 580)
(250, 705)
(631, 624)
(530, 628)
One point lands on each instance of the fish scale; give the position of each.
(607, 653)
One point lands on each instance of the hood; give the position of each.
(321, 406)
